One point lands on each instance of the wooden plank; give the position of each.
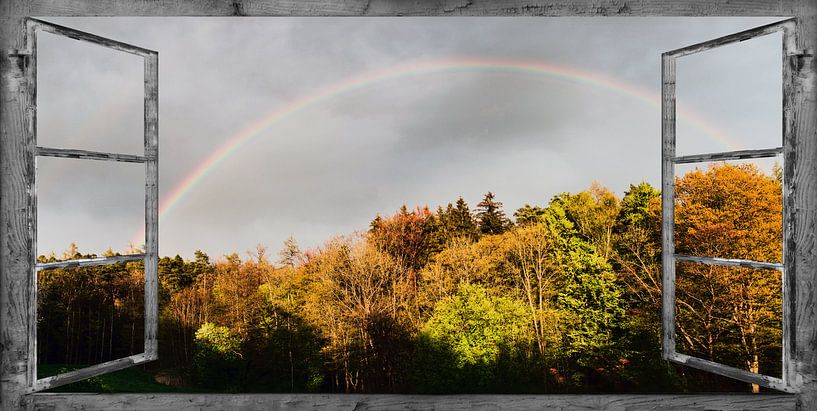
(87, 37)
(16, 243)
(730, 262)
(762, 8)
(89, 155)
(87, 372)
(801, 156)
(732, 372)
(185, 402)
(90, 262)
(732, 38)
(728, 155)
(668, 206)
(788, 279)
(31, 79)
(152, 205)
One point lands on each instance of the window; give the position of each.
(149, 158)
(669, 161)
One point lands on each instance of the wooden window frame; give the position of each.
(150, 159)
(17, 159)
(669, 160)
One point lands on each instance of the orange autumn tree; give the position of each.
(727, 314)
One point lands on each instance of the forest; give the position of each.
(562, 297)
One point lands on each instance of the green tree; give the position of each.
(474, 342)
(491, 218)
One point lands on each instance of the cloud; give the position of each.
(328, 169)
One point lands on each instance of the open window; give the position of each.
(669, 162)
(149, 158)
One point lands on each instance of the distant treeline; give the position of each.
(557, 298)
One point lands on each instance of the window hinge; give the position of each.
(19, 53)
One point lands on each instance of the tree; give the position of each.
(594, 212)
(637, 250)
(457, 221)
(529, 214)
(290, 255)
(724, 313)
(468, 337)
(490, 216)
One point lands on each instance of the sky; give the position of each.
(310, 127)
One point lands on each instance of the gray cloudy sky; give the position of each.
(421, 139)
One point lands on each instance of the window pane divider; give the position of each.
(90, 262)
(88, 372)
(732, 38)
(732, 372)
(728, 155)
(730, 262)
(52, 28)
(89, 155)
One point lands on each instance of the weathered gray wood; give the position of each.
(788, 278)
(87, 372)
(89, 155)
(801, 156)
(728, 155)
(668, 206)
(31, 90)
(17, 158)
(733, 38)
(86, 37)
(790, 304)
(732, 372)
(152, 205)
(730, 262)
(185, 402)
(16, 173)
(90, 262)
(150, 159)
(412, 8)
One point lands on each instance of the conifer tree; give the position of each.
(491, 218)
(290, 255)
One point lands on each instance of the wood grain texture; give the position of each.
(730, 262)
(732, 372)
(16, 244)
(789, 144)
(668, 206)
(87, 372)
(728, 155)
(86, 37)
(412, 8)
(90, 262)
(185, 402)
(733, 38)
(801, 243)
(151, 125)
(89, 155)
(17, 161)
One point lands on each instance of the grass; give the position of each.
(134, 379)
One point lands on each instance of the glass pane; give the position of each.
(88, 97)
(730, 315)
(729, 98)
(731, 209)
(89, 207)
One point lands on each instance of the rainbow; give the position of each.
(533, 68)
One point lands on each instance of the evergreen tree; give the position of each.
(290, 255)
(490, 216)
(457, 221)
